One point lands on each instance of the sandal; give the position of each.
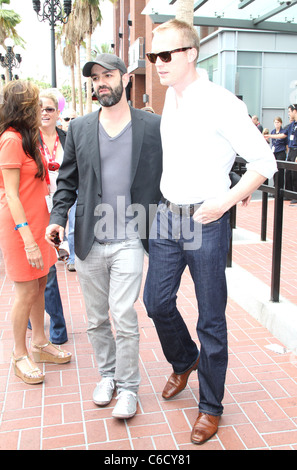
(31, 376)
(44, 356)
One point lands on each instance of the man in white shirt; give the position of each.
(199, 148)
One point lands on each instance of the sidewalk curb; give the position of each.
(280, 318)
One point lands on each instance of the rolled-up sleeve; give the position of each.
(248, 142)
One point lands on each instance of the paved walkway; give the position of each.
(260, 404)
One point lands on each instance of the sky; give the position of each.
(36, 57)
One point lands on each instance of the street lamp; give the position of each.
(10, 60)
(54, 13)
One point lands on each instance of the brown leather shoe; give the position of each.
(177, 382)
(204, 428)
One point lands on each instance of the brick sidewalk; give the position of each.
(260, 404)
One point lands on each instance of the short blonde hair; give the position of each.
(188, 33)
(51, 96)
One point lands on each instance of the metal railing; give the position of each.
(279, 193)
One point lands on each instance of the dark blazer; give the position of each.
(80, 171)
(61, 134)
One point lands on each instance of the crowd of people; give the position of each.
(283, 142)
(135, 183)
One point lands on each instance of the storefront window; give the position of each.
(249, 76)
(211, 66)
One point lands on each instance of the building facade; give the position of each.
(132, 39)
(258, 66)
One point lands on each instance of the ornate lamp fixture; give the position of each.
(53, 12)
(10, 60)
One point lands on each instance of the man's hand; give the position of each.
(52, 231)
(212, 210)
(209, 211)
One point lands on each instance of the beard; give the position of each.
(111, 99)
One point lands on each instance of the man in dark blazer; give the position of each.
(113, 157)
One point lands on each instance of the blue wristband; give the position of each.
(20, 225)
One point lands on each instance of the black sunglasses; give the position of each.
(66, 119)
(166, 55)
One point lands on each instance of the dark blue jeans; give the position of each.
(53, 306)
(168, 258)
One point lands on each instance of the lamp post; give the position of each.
(10, 60)
(54, 13)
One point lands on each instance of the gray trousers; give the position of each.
(110, 278)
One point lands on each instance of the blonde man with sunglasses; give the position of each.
(198, 154)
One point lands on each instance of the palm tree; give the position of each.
(105, 48)
(8, 21)
(84, 18)
(88, 16)
(67, 49)
(69, 59)
(74, 37)
(185, 10)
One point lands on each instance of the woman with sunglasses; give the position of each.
(52, 138)
(52, 141)
(23, 219)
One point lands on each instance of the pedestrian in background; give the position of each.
(52, 141)
(290, 133)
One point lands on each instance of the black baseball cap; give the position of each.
(108, 61)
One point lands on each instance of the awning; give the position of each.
(271, 15)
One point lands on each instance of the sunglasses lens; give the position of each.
(66, 119)
(48, 110)
(165, 56)
(152, 57)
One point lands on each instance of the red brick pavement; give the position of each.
(260, 403)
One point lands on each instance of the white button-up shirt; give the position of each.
(201, 138)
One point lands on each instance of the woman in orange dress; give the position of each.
(23, 219)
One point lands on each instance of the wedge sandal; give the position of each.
(32, 375)
(39, 355)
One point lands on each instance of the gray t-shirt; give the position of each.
(116, 160)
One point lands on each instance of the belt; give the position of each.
(181, 209)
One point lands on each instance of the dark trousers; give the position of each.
(291, 176)
(54, 308)
(168, 257)
(280, 156)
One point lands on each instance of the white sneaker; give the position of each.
(104, 391)
(126, 405)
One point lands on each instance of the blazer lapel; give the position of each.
(138, 126)
(92, 143)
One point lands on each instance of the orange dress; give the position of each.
(32, 192)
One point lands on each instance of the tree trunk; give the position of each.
(80, 100)
(89, 80)
(185, 11)
(73, 97)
